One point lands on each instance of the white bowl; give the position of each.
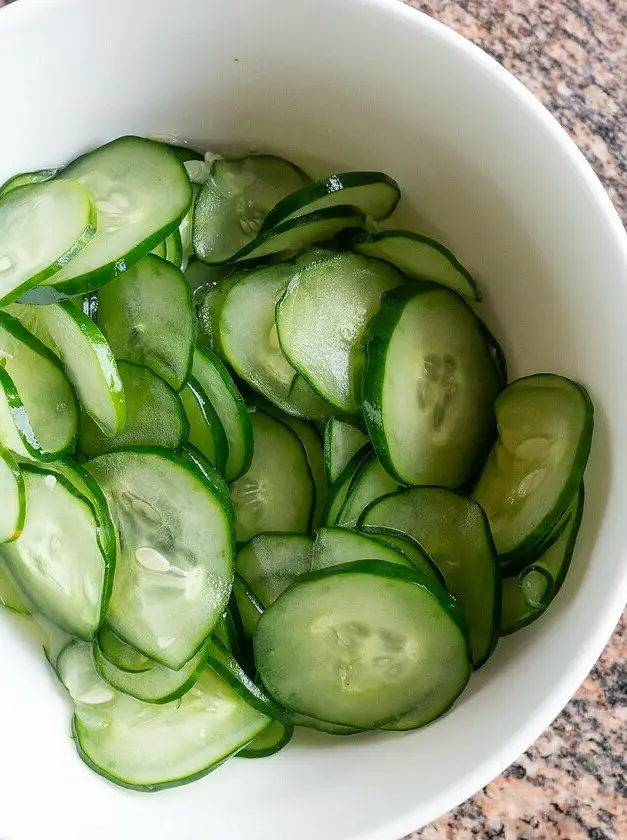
(356, 84)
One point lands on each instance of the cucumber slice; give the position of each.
(44, 227)
(10, 597)
(340, 487)
(175, 562)
(226, 632)
(310, 439)
(271, 741)
(277, 493)
(141, 192)
(147, 747)
(334, 546)
(171, 249)
(121, 655)
(323, 725)
(249, 341)
(218, 385)
(154, 415)
(370, 482)
(206, 432)
(301, 232)
(185, 232)
(13, 495)
(419, 257)
(496, 353)
(157, 684)
(182, 151)
(429, 387)
(526, 596)
(269, 563)
(374, 193)
(57, 560)
(44, 429)
(25, 178)
(545, 425)
(249, 608)
(233, 203)
(361, 644)
(86, 358)
(322, 319)
(455, 534)
(147, 317)
(341, 442)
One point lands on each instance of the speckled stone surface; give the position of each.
(572, 783)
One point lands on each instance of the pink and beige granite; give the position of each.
(572, 783)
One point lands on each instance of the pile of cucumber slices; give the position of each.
(260, 464)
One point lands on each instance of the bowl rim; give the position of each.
(17, 14)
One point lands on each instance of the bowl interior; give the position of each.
(337, 84)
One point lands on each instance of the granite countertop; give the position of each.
(572, 783)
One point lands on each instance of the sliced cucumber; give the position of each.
(370, 482)
(57, 559)
(206, 431)
(526, 596)
(154, 415)
(374, 193)
(141, 192)
(10, 597)
(171, 249)
(147, 317)
(218, 385)
(185, 233)
(419, 257)
(121, 655)
(341, 442)
(545, 425)
(25, 178)
(429, 387)
(44, 227)
(29, 425)
(269, 563)
(301, 232)
(234, 201)
(271, 741)
(249, 341)
(361, 644)
(150, 747)
(13, 496)
(277, 493)
(322, 319)
(86, 357)
(455, 534)
(334, 546)
(175, 562)
(156, 684)
(340, 487)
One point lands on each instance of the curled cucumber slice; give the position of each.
(234, 201)
(44, 227)
(141, 192)
(545, 425)
(43, 429)
(374, 193)
(419, 257)
(86, 358)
